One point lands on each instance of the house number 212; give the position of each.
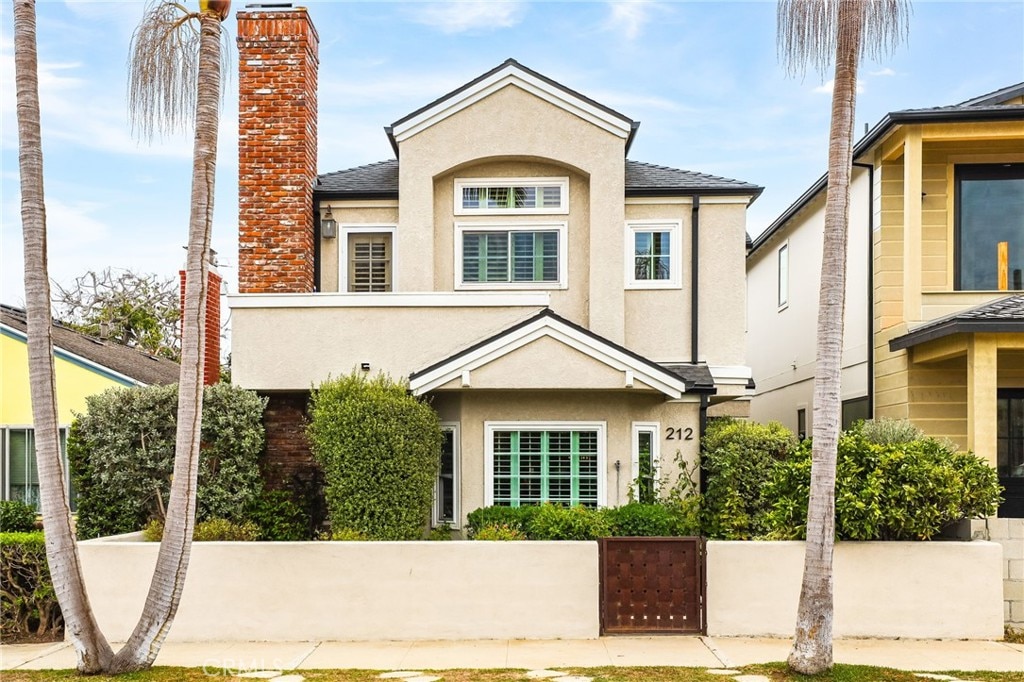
(675, 433)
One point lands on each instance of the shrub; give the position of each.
(153, 531)
(278, 517)
(28, 604)
(554, 522)
(645, 520)
(896, 490)
(513, 517)
(348, 535)
(738, 458)
(121, 453)
(213, 530)
(440, 534)
(380, 450)
(16, 517)
(500, 532)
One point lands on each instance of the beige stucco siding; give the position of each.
(722, 295)
(349, 214)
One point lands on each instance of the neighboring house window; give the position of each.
(854, 410)
(520, 256)
(20, 475)
(1010, 451)
(989, 227)
(801, 423)
(536, 463)
(506, 196)
(368, 258)
(653, 254)
(645, 462)
(446, 492)
(784, 275)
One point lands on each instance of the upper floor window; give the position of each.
(989, 252)
(367, 258)
(505, 196)
(653, 254)
(783, 276)
(511, 256)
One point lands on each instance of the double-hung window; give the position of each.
(368, 258)
(511, 256)
(989, 227)
(511, 196)
(653, 254)
(532, 463)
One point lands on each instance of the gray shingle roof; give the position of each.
(1002, 315)
(642, 179)
(142, 367)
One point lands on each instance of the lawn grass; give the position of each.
(775, 671)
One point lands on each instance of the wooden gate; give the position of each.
(652, 585)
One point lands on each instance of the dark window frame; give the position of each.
(979, 171)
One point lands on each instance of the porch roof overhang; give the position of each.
(1005, 315)
(637, 370)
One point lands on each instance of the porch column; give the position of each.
(981, 397)
(912, 224)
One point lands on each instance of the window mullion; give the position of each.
(514, 500)
(574, 457)
(545, 471)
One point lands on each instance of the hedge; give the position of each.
(28, 604)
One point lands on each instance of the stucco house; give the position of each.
(934, 301)
(85, 365)
(559, 303)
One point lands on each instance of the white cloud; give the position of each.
(883, 72)
(629, 16)
(826, 88)
(460, 16)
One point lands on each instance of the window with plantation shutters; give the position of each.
(507, 256)
(369, 261)
(20, 475)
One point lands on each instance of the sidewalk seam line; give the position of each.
(722, 658)
(59, 646)
(301, 658)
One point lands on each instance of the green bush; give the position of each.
(513, 517)
(739, 456)
(646, 520)
(380, 450)
(555, 522)
(442, 533)
(348, 535)
(895, 490)
(16, 517)
(499, 532)
(278, 517)
(121, 453)
(28, 604)
(213, 530)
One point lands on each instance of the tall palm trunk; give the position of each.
(61, 552)
(172, 561)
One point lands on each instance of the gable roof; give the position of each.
(1002, 315)
(118, 362)
(511, 72)
(380, 181)
(988, 107)
(549, 324)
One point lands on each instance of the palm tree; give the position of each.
(823, 31)
(175, 78)
(94, 654)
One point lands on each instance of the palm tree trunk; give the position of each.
(812, 646)
(61, 551)
(172, 561)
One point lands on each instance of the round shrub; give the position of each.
(16, 517)
(278, 517)
(380, 451)
(554, 522)
(645, 520)
(513, 517)
(348, 535)
(121, 453)
(222, 530)
(499, 532)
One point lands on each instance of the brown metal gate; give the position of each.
(652, 585)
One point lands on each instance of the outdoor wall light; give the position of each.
(328, 225)
(365, 366)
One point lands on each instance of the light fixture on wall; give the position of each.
(328, 225)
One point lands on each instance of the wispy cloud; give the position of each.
(629, 16)
(826, 88)
(461, 16)
(883, 72)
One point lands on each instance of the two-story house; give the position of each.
(561, 305)
(934, 304)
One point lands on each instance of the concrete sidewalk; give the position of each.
(706, 652)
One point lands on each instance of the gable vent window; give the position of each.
(368, 260)
(504, 196)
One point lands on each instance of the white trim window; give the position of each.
(511, 196)
(646, 460)
(783, 261)
(510, 256)
(366, 258)
(20, 478)
(530, 463)
(446, 489)
(654, 254)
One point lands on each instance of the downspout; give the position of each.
(694, 280)
(871, 286)
(702, 427)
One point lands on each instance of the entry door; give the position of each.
(1010, 452)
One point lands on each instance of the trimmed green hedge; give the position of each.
(28, 604)
(17, 517)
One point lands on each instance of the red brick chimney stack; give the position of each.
(277, 118)
(211, 361)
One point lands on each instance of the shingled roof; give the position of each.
(1002, 315)
(116, 359)
(380, 180)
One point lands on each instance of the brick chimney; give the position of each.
(277, 118)
(211, 360)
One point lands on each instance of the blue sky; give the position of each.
(702, 77)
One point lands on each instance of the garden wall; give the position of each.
(297, 591)
(882, 589)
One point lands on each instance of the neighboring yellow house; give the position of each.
(85, 366)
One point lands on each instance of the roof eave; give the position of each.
(950, 327)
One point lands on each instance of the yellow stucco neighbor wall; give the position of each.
(74, 383)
